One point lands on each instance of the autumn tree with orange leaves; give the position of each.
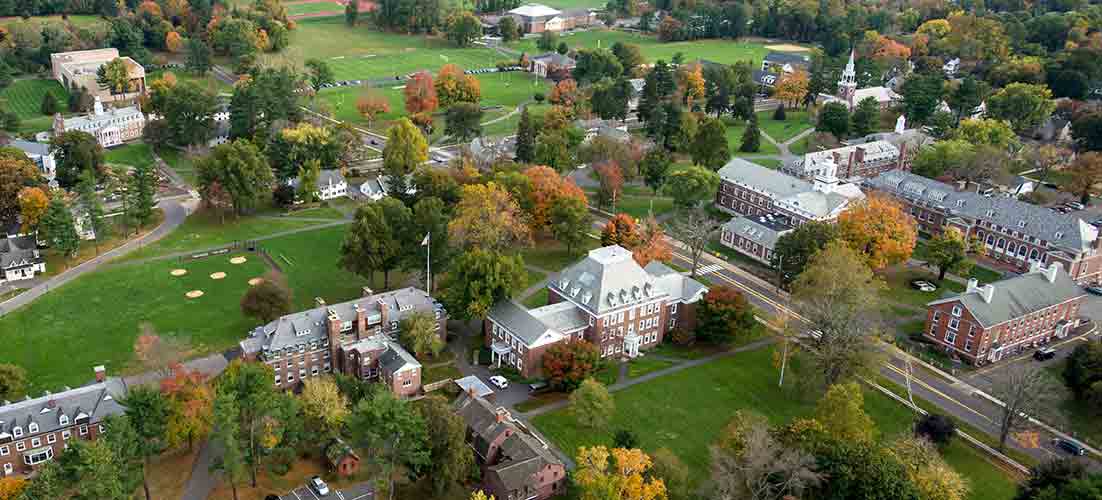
(618, 473)
(174, 42)
(886, 48)
(621, 230)
(611, 183)
(652, 243)
(11, 488)
(547, 187)
(453, 86)
(488, 218)
(792, 88)
(191, 406)
(690, 84)
(371, 104)
(565, 93)
(420, 93)
(879, 230)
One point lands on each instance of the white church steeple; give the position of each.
(847, 86)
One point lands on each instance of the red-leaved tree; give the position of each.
(567, 364)
(420, 94)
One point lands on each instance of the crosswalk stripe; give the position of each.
(708, 269)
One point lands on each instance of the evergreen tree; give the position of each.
(141, 191)
(779, 113)
(49, 104)
(92, 206)
(865, 117)
(526, 138)
(751, 138)
(60, 230)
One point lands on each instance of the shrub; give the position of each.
(779, 113)
(539, 97)
(939, 429)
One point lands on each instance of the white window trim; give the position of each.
(4, 451)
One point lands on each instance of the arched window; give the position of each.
(1002, 244)
(1011, 248)
(990, 240)
(1022, 250)
(1033, 254)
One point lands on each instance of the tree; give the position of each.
(1025, 106)
(939, 429)
(723, 314)
(11, 488)
(842, 413)
(1026, 391)
(751, 139)
(617, 473)
(834, 118)
(141, 190)
(629, 55)
(880, 230)
(147, 410)
(941, 157)
(188, 111)
(690, 85)
(59, 227)
(13, 381)
(318, 73)
(351, 13)
(199, 56)
(95, 465)
(609, 98)
(709, 147)
(453, 86)
(966, 97)
(378, 239)
(592, 405)
(479, 279)
(921, 95)
(792, 88)
(544, 187)
(927, 470)
(49, 482)
(1085, 172)
(371, 104)
(115, 76)
(611, 182)
(591, 65)
(74, 152)
(694, 229)
(405, 150)
(49, 104)
(392, 430)
(526, 137)
(227, 435)
(1083, 371)
(191, 407)
(268, 97)
(1051, 476)
(749, 462)
(987, 132)
(450, 458)
(793, 250)
(570, 222)
(420, 94)
(625, 439)
(655, 167)
(33, 205)
(488, 218)
(268, 300)
(690, 185)
(17, 172)
(837, 294)
(464, 28)
(567, 364)
(674, 473)
(250, 387)
(866, 116)
(509, 30)
(239, 169)
(1087, 131)
(324, 407)
(948, 251)
(418, 334)
(652, 244)
(463, 121)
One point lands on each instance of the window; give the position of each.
(4, 451)
(956, 310)
(65, 435)
(278, 379)
(407, 382)
(33, 428)
(63, 420)
(17, 432)
(950, 337)
(937, 315)
(51, 438)
(36, 442)
(673, 308)
(84, 430)
(39, 457)
(102, 429)
(20, 446)
(8, 469)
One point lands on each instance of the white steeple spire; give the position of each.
(847, 86)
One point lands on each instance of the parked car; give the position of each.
(319, 486)
(1070, 446)
(923, 286)
(1096, 289)
(1075, 205)
(499, 381)
(1044, 353)
(538, 387)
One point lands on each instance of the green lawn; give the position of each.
(536, 299)
(202, 230)
(772, 163)
(309, 261)
(575, 4)
(132, 155)
(95, 319)
(295, 9)
(509, 125)
(642, 366)
(205, 81)
(362, 52)
(721, 51)
(24, 97)
(781, 131)
(639, 205)
(440, 372)
(734, 140)
(181, 163)
(79, 21)
(318, 213)
(707, 396)
(899, 287)
(553, 256)
(799, 147)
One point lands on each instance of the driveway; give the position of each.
(512, 395)
(362, 491)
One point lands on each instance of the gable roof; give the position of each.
(521, 454)
(89, 404)
(29, 147)
(535, 327)
(1066, 231)
(766, 180)
(790, 192)
(19, 251)
(606, 279)
(1018, 296)
(761, 229)
(776, 57)
(554, 58)
(677, 285)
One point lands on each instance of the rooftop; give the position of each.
(535, 10)
(1015, 297)
(764, 230)
(89, 404)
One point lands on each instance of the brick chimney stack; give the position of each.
(361, 321)
(101, 373)
(384, 312)
(333, 333)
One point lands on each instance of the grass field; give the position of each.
(781, 131)
(133, 155)
(205, 81)
(553, 256)
(79, 21)
(95, 319)
(297, 9)
(734, 140)
(638, 202)
(179, 162)
(362, 53)
(575, 4)
(309, 260)
(24, 97)
(707, 396)
(721, 51)
(202, 230)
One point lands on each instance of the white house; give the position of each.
(40, 154)
(331, 184)
(379, 187)
(20, 259)
(951, 67)
(111, 127)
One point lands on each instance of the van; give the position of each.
(1044, 354)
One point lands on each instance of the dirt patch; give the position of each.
(238, 260)
(787, 47)
(194, 294)
(178, 272)
(256, 281)
(218, 275)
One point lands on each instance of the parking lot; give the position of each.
(362, 491)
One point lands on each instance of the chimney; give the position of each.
(384, 312)
(987, 292)
(973, 286)
(333, 333)
(361, 321)
(470, 391)
(367, 291)
(319, 302)
(1050, 273)
(858, 155)
(961, 185)
(101, 373)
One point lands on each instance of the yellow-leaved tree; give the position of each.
(879, 230)
(619, 473)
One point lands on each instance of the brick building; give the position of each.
(357, 338)
(850, 162)
(111, 127)
(750, 189)
(537, 18)
(986, 323)
(36, 430)
(754, 236)
(1014, 232)
(606, 299)
(515, 463)
(80, 68)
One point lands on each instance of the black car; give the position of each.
(1070, 446)
(1096, 289)
(1044, 353)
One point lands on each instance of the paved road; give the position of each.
(362, 491)
(175, 213)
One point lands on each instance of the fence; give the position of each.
(436, 385)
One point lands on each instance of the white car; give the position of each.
(499, 381)
(319, 486)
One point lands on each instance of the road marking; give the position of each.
(295, 493)
(708, 269)
(921, 383)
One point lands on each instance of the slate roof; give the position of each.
(325, 178)
(881, 94)
(678, 286)
(766, 78)
(29, 147)
(521, 454)
(84, 405)
(606, 279)
(777, 184)
(554, 58)
(396, 359)
(775, 57)
(874, 151)
(535, 11)
(102, 120)
(1065, 231)
(524, 323)
(761, 229)
(1018, 296)
(19, 251)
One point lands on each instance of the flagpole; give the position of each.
(428, 263)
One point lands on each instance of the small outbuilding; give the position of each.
(342, 458)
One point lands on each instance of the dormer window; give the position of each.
(957, 310)
(33, 428)
(1021, 223)
(17, 432)
(1058, 235)
(63, 420)
(990, 213)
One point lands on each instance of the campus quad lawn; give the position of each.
(899, 287)
(24, 98)
(296, 9)
(509, 125)
(318, 213)
(551, 255)
(721, 51)
(781, 131)
(639, 205)
(537, 299)
(206, 81)
(735, 130)
(132, 155)
(94, 320)
(707, 397)
(204, 230)
(309, 261)
(181, 163)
